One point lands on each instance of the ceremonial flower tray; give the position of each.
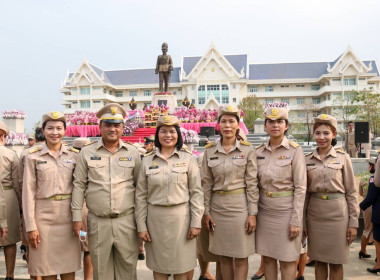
(14, 114)
(16, 139)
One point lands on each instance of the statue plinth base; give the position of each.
(166, 98)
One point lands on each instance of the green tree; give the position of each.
(252, 108)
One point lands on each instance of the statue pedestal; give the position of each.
(15, 125)
(167, 99)
(259, 126)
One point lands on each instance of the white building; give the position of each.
(215, 79)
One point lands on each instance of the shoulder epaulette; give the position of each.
(36, 149)
(187, 151)
(65, 143)
(259, 146)
(74, 150)
(245, 143)
(150, 153)
(340, 151)
(209, 145)
(293, 144)
(309, 154)
(90, 143)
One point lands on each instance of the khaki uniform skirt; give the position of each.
(170, 252)
(13, 217)
(203, 242)
(273, 219)
(368, 227)
(230, 214)
(59, 250)
(327, 223)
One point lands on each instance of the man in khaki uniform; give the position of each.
(350, 141)
(105, 176)
(4, 131)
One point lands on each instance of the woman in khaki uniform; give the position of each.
(169, 203)
(331, 207)
(282, 182)
(367, 235)
(47, 187)
(229, 182)
(9, 177)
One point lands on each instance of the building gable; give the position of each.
(86, 74)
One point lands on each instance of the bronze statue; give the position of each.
(164, 67)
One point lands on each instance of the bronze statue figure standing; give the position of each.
(164, 67)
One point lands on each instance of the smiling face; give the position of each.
(168, 137)
(111, 132)
(323, 135)
(228, 125)
(276, 128)
(54, 132)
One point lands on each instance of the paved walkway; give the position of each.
(356, 270)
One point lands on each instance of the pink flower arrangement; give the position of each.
(15, 139)
(82, 118)
(189, 136)
(163, 93)
(194, 114)
(14, 114)
(130, 126)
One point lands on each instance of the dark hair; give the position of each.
(372, 168)
(286, 121)
(44, 124)
(333, 130)
(236, 117)
(39, 135)
(350, 122)
(179, 143)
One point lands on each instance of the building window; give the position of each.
(285, 100)
(300, 100)
(192, 101)
(225, 94)
(75, 102)
(96, 88)
(315, 87)
(118, 93)
(300, 86)
(96, 101)
(224, 87)
(268, 100)
(253, 89)
(202, 88)
(192, 87)
(336, 79)
(268, 88)
(361, 79)
(215, 90)
(284, 86)
(234, 86)
(147, 93)
(337, 94)
(201, 95)
(84, 90)
(316, 100)
(85, 104)
(212, 87)
(174, 92)
(349, 81)
(234, 100)
(329, 96)
(74, 89)
(301, 114)
(132, 93)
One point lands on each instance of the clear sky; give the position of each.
(40, 40)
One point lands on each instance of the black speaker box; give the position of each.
(362, 132)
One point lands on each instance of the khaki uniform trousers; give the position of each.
(114, 247)
(353, 152)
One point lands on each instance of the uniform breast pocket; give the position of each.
(239, 166)
(45, 171)
(215, 165)
(154, 178)
(125, 169)
(283, 168)
(311, 172)
(96, 169)
(180, 175)
(68, 169)
(334, 171)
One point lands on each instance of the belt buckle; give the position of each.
(113, 216)
(324, 197)
(58, 197)
(269, 194)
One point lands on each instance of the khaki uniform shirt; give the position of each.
(167, 182)
(230, 171)
(284, 170)
(108, 180)
(44, 177)
(333, 174)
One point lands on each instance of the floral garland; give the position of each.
(14, 114)
(156, 108)
(189, 136)
(16, 139)
(130, 126)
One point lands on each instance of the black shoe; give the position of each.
(141, 257)
(311, 263)
(371, 243)
(202, 278)
(373, 270)
(23, 248)
(364, 256)
(8, 278)
(255, 277)
(300, 278)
